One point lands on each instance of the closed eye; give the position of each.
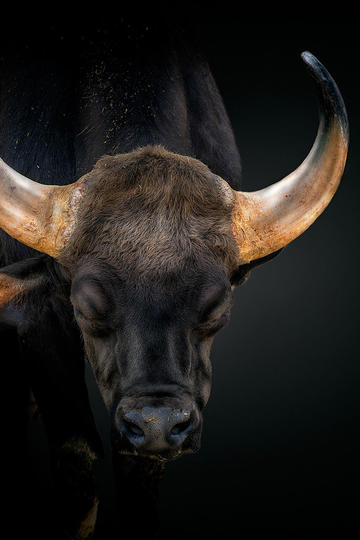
(90, 299)
(78, 313)
(92, 325)
(95, 327)
(216, 305)
(214, 323)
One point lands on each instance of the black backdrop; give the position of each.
(280, 449)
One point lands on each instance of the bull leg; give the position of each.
(13, 401)
(74, 465)
(74, 481)
(137, 479)
(72, 502)
(55, 362)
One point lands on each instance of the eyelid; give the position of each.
(211, 327)
(78, 312)
(214, 307)
(91, 300)
(208, 314)
(216, 315)
(99, 320)
(95, 327)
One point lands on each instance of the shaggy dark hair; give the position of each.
(152, 212)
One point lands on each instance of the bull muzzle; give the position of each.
(159, 432)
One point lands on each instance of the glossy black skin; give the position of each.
(53, 132)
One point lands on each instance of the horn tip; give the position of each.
(331, 101)
(312, 62)
(307, 56)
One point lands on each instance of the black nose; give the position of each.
(157, 430)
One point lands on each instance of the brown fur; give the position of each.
(153, 212)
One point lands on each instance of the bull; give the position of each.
(126, 245)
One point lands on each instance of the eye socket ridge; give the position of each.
(214, 317)
(90, 300)
(216, 307)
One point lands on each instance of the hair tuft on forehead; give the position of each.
(152, 211)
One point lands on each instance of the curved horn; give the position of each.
(264, 221)
(37, 215)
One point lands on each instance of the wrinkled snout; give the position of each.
(161, 432)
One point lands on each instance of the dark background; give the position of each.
(280, 447)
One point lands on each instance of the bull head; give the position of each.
(264, 221)
(215, 228)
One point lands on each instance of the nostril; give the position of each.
(157, 431)
(181, 427)
(133, 429)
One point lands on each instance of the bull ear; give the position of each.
(17, 282)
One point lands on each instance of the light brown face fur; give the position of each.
(152, 212)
